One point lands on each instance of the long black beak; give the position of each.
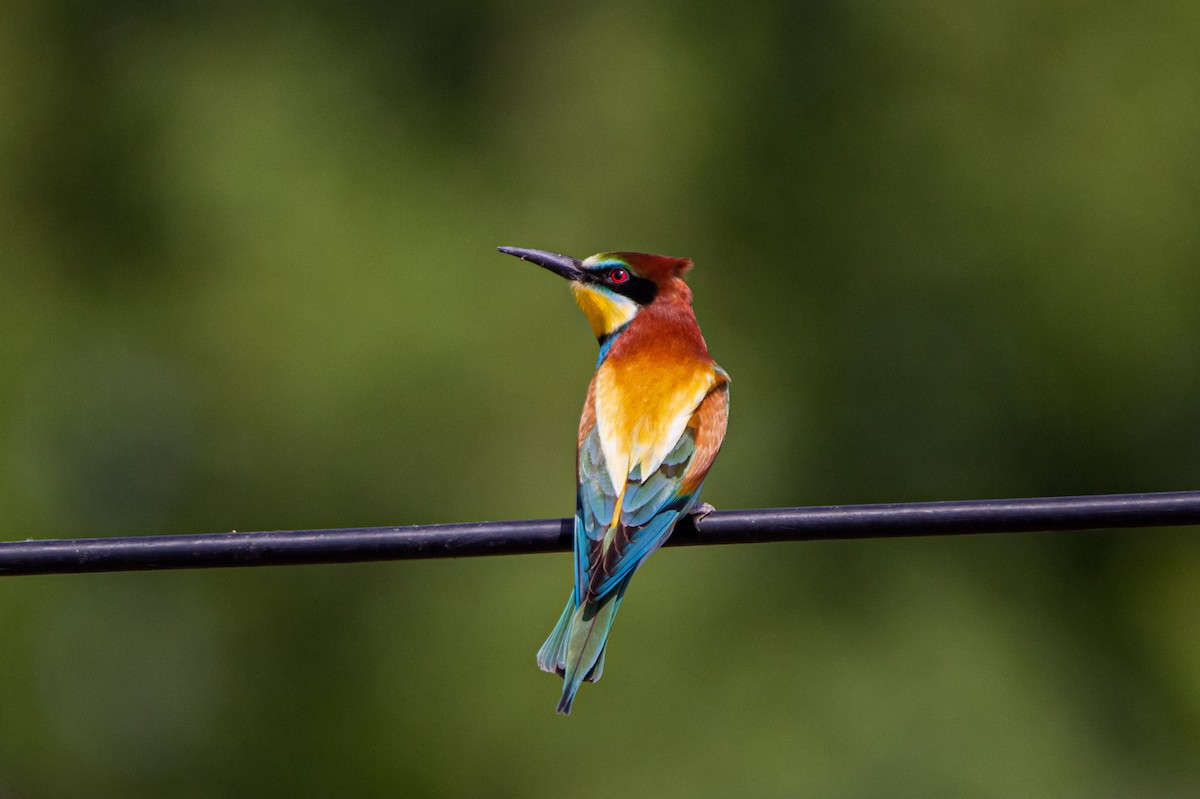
(565, 265)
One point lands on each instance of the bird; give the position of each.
(653, 420)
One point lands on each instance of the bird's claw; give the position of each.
(700, 511)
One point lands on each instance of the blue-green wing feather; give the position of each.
(594, 503)
(651, 506)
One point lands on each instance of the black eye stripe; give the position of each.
(638, 289)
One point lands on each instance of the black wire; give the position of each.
(290, 547)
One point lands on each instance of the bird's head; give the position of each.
(613, 287)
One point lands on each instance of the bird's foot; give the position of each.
(700, 511)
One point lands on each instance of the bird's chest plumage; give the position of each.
(644, 398)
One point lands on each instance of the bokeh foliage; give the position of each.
(946, 250)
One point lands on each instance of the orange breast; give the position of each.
(643, 402)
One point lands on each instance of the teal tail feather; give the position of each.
(553, 653)
(576, 646)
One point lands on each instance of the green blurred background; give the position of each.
(946, 251)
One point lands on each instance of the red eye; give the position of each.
(618, 276)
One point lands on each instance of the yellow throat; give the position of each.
(605, 311)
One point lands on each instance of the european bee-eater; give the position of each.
(653, 421)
